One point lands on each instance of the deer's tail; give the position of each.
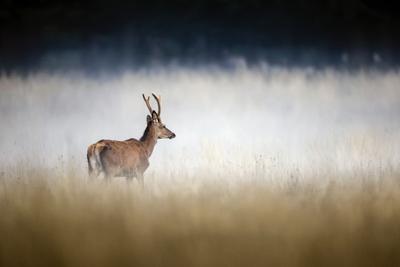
(89, 158)
(94, 159)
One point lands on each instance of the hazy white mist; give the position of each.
(266, 118)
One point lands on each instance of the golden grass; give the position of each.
(51, 220)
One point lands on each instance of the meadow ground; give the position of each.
(66, 220)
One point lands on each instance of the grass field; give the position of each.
(49, 220)
(270, 167)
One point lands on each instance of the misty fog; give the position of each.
(226, 120)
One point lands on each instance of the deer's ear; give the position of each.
(154, 115)
(148, 119)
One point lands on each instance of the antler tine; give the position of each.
(158, 99)
(147, 100)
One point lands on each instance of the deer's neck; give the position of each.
(149, 139)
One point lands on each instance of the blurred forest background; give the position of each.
(98, 34)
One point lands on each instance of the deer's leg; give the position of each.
(130, 175)
(93, 174)
(107, 176)
(140, 179)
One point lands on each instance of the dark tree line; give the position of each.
(134, 31)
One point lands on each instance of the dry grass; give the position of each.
(52, 220)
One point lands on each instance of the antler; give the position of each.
(147, 100)
(158, 99)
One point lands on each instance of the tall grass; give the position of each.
(52, 220)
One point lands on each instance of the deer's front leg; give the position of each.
(129, 178)
(140, 179)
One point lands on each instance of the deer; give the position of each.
(129, 158)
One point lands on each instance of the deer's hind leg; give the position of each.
(108, 173)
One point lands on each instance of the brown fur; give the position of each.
(129, 158)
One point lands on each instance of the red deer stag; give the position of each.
(129, 158)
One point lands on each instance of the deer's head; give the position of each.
(154, 120)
